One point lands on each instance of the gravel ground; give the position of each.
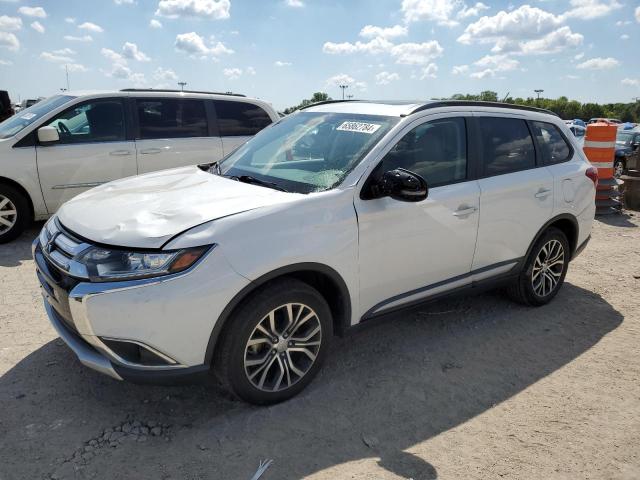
(471, 388)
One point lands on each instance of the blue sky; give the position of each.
(284, 50)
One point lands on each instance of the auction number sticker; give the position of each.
(359, 127)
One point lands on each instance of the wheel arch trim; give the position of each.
(572, 242)
(289, 270)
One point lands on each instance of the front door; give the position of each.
(93, 149)
(411, 251)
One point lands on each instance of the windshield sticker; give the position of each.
(358, 127)
(28, 116)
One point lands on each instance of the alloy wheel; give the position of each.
(283, 347)
(618, 169)
(8, 214)
(548, 268)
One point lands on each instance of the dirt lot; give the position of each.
(472, 388)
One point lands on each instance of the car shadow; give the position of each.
(381, 392)
(15, 252)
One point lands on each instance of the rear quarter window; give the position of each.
(553, 146)
(240, 119)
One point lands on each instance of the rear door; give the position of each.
(516, 192)
(175, 132)
(238, 122)
(94, 148)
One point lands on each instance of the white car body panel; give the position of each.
(166, 153)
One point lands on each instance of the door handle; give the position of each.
(543, 193)
(150, 151)
(464, 211)
(120, 153)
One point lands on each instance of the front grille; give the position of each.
(61, 248)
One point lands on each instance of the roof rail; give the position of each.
(180, 91)
(477, 103)
(325, 102)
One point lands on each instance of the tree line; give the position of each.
(562, 106)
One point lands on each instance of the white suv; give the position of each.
(334, 215)
(69, 143)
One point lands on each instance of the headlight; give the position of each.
(105, 265)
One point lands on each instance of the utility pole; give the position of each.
(636, 99)
(182, 85)
(66, 69)
(343, 86)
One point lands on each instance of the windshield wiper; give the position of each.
(257, 181)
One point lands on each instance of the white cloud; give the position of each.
(525, 30)
(37, 12)
(637, 14)
(232, 73)
(212, 9)
(70, 20)
(9, 41)
(91, 27)
(131, 51)
(55, 57)
(122, 72)
(64, 51)
(439, 11)
(385, 78)
(124, 2)
(280, 63)
(589, 9)
(371, 31)
(373, 47)
(416, 53)
(579, 56)
(344, 79)
(113, 56)
(84, 38)
(474, 11)
(429, 71)
(483, 74)
(460, 69)
(10, 24)
(193, 44)
(37, 26)
(294, 3)
(153, 23)
(622, 23)
(631, 82)
(75, 67)
(499, 63)
(164, 74)
(624, 36)
(250, 71)
(599, 63)
(6, 63)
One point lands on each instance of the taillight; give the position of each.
(592, 173)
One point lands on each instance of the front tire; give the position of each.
(544, 270)
(275, 343)
(618, 168)
(14, 213)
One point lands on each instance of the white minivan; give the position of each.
(69, 143)
(333, 216)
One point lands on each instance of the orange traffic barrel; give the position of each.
(600, 148)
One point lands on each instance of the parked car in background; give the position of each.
(627, 152)
(26, 103)
(579, 131)
(337, 214)
(69, 143)
(6, 108)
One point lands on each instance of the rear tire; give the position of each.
(14, 213)
(544, 270)
(275, 342)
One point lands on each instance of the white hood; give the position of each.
(146, 211)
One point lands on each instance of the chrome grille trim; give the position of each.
(60, 248)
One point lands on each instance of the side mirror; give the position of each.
(48, 134)
(404, 185)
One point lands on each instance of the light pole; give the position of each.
(343, 86)
(539, 91)
(182, 85)
(349, 96)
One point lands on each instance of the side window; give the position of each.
(507, 145)
(553, 145)
(171, 118)
(96, 121)
(238, 119)
(436, 150)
